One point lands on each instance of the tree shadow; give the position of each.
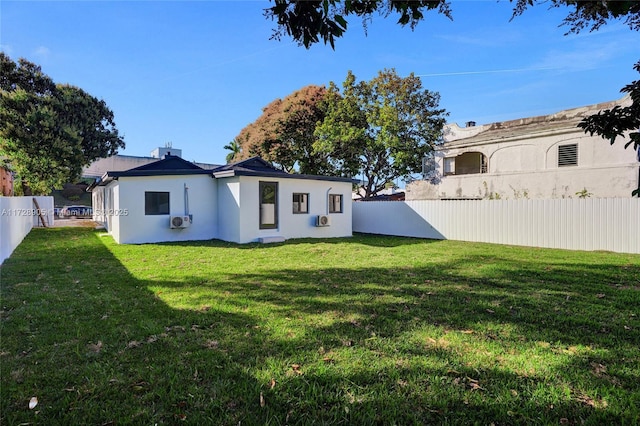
(323, 345)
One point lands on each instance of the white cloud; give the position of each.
(42, 52)
(6, 48)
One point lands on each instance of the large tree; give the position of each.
(380, 129)
(48, 132)
(284, 133)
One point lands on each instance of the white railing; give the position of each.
(18, 215)
(611, 224)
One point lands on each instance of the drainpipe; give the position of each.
(186, 201)
(327, 198)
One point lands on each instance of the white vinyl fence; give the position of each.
(17, 216)
(611, 224)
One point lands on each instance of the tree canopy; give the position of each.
(615, 122)
(380, 129)
(49, 131)
(311, 21)
(284, 133)
(234, 150)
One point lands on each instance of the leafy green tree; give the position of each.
(284, 133)
(48, 132)
(311, 21)
(234, 148)
(380, 128)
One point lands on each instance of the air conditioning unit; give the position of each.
(323, 220)
(176, 222)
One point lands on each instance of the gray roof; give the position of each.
(173, 165)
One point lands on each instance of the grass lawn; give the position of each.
(365, 330)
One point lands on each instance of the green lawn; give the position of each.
(364, 330)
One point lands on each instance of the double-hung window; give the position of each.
(300, 203)
(335, 203)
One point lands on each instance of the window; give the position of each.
(268, 205)
(156, 203)
(449, 166)
(335, 203)
(300, 203)
(568, 155)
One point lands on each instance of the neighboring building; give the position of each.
(117, 163)
(538, 157)
(175, 200)
(6, 181)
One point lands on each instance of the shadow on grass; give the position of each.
(326, 345)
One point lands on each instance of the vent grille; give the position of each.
(568, 155)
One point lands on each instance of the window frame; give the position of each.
(156, 211)
(332, 203)
(299, 203)
(451, 162)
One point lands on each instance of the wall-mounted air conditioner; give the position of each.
(177, 222)
(323, 220)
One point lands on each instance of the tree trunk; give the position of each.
(26, 189)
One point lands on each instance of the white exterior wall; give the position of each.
(130, 225)
(529, 169)
(578, 224)
(229, 209)
(18, 215)
(290, 225)
(224, 208)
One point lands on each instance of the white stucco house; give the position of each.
(537, 157)
(249, 201)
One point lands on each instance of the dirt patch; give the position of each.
(81, 223)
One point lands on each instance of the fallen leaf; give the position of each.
(211, 344)
(262, 403)
(33, 402)
(467, 332)
(491, 311)
(600, 295)
(272, 384)
(95, 347)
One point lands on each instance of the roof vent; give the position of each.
(470, 124)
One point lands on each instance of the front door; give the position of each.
(268, 205)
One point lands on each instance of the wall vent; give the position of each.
(568, 155)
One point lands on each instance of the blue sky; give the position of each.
(195, 73)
